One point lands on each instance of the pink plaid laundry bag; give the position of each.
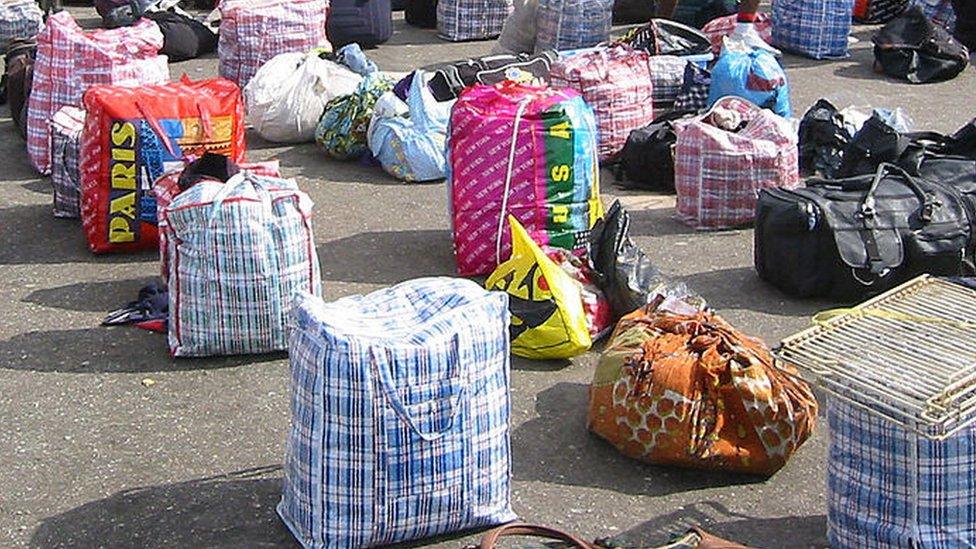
(717, 29)
(252, 32)
(70, 60)
(524, 151)
(719, 172)
(616, 82)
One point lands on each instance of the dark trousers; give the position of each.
(966, 22)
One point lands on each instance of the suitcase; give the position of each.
(847, 239)
(364, 22)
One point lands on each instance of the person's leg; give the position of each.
(745, 28)
(665, 8)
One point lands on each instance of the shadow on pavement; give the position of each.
(236, 510)
(312, 162)
(741, 288)
(101, 296)
(658, 222)
(31, 235)
(557, 448)
(387, 257)
(122, 349)
(805, 531)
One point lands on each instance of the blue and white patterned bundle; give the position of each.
(572, 24)
(19, 19)
(887, 487)
(400, 415)
(813, 28)
(239, 252)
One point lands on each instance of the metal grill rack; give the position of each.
(908, 355)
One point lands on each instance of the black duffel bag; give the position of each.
(183, 37)
(448, 79)
(851, 238)
(913, 48)
(647, 159)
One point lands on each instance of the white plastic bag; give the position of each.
(287, 95)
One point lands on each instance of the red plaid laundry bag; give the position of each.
(717, 29)
(616, 82)
(252, 32)
(70, 60)
(719, 172)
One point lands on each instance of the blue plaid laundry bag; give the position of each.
(19, 19)
(940, 12)
(238, 252)
(572, 24)
(888, 487)
(460, 20)
(812, 28)
(400, 415)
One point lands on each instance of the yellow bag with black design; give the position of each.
(548, 320)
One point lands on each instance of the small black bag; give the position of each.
(647, 159)
(449, 79)
(421, 13)
(851, 238)
(913, 48)
(877, 142)
(665, 37)
(823, 138)
(183, 37)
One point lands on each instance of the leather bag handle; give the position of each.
(490, 539)
(928, 203)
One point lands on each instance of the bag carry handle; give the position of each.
(381, 369)
(867, 210)
(490, 540)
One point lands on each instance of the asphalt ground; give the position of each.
(92, 456)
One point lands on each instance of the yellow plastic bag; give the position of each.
(548, 320)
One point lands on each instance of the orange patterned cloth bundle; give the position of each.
(692, 391)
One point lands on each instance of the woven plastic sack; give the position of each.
(66, 127)
(717, 29)
(813, 28)
(692, 391)
(878, 11)
(616, 82)
(940, 12)
(889, 487)
(401, 395)
(287, 95)
(343, 127)
(70, 60)
(718, 171)
(459, 20)
(19, 20)
(239, 251)
(548, 320)
(667, 77)
(123, 152)
(411, 145)
(209, 167)
(572, 24)
(755, 76)
(252, 33)
(523, 151)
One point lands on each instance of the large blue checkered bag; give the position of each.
(238, 251)
(572, 24)
(888, 487)
(812, 28)
(400, 415)
(19, 20)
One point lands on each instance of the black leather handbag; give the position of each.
(913, 48)
(847, 239)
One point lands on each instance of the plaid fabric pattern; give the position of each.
(940, 12)
(718, 173)
(252, 33)
(66, 126)
(20, 19)
(459, 20)
(616, 82)
(812, 28)
(572, 24)
(717, 29)
(400, 415)
(167, 187)
(888, 487)
(667, 77)
(70, 60)
(238, 253)
(693, 96)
